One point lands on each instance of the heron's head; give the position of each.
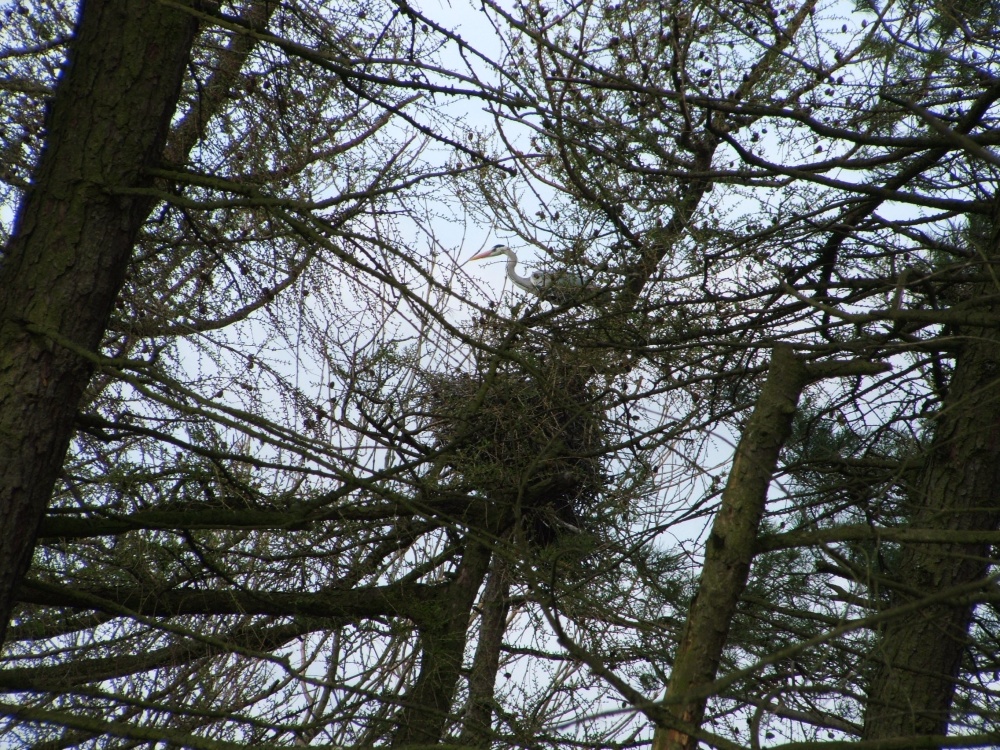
(493, 252)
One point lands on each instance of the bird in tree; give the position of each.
(552, 286)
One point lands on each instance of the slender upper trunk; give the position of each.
(919, 656)
(730, 548)
(74, 233)
(494, 607)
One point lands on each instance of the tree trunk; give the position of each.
(732, 543)
(494, 607)
(73, 237)
(919, 656)
(730, 548)
(443, 635)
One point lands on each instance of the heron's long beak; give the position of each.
(480, 256)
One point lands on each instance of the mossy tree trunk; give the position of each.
(74, 234)
(918, 656)
(730, 548)
(732, 543)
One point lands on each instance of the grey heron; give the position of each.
(553, 286)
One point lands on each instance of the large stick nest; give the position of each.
(524, 429)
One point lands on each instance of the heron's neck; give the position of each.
(522, 281)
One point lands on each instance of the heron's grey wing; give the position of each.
(564, 279)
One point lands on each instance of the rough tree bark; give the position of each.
(494, 608)
(730, 548)
(74, 234)
(443, 626)
(918, 657)
(733, 540)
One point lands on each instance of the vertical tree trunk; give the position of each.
(919, 656)
(74, 234)
(443, 635)
(730, 547)
(494, 607)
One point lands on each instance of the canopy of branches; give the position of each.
(327, 486)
